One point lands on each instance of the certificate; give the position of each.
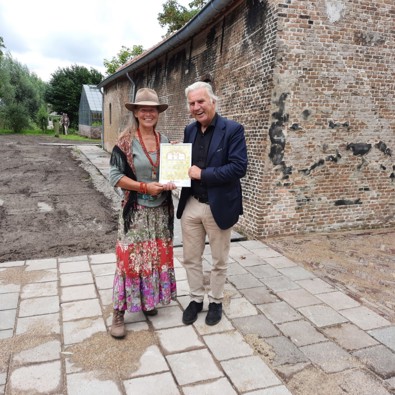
(175, 161)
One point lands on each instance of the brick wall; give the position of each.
(313, 84)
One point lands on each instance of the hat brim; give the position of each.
(133, 106)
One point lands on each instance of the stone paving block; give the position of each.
(37, 290)
(315, 286)
(106, 297)
(47, 324)
(204, 329)
(36, 379)
(182, 288)
(73, 258)
(250, 373)
(248, 259)
(3, 377)
(77, 331)
(329, 357)
(77, 292)
(236, 250)
(179, 339)
(301, 333)
(239, 307)
(365, 318)
(365, 383)
(193, 366)
(230, 292)
(298, 297)
(150, 385)
(264, 270)
(81, 309)
(279, 312)
(74, 267)
(41, 264)
(46, 276)
(278, 390)
(12, 264)
(170, 317)
(279, 262)
(378, 358)
(338, 300)
(8, 288)
(105, 282)
(68, 279)
(257, 325)
(220, 387)
(228, 345)
(48, 351)
(350, 336)
(88, 384)
(259, 295)
(235, 268)
(135, 326)
(104, 269)
(391, 383)
(385, 336)
(151, 362)
(267, 253)
(285, 352)
(322, 315)
(241, 281)
(280, 283)
(253, 245)
(9, 301)
(296, 273)
(180, 273)
(38, 306)
(6, 334)
(102, 258)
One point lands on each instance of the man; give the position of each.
(65, 122)
(213, 203)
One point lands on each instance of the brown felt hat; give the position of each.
(146, 97)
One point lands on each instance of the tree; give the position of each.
(1, 46)
(64, 89)
(175, 15)
(42, 118)
(21, 94)
(122, 57)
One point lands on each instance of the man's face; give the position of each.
(201, 107)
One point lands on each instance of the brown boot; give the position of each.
(118, 325)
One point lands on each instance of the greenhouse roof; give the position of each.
(94, 97)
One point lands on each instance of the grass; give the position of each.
(51, 133)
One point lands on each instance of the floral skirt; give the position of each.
(145, 271)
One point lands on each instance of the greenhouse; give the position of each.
(90, 112)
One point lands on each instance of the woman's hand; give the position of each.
(169, 186)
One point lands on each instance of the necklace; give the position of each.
(156, 164)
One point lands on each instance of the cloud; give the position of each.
(46, 35)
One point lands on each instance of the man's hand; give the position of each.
(195, 173)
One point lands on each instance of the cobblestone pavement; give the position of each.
(284, 331)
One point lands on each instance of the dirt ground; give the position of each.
(50, 206)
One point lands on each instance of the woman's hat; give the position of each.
(146, 97)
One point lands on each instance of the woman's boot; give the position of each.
(118, 325)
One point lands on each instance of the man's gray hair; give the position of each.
(199, 85)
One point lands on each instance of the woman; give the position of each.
(144, 249)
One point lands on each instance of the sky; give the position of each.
(46, 35)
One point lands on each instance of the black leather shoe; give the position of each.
(152, 312)
(190, 314)
(214, 314)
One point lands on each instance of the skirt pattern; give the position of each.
(145, 271)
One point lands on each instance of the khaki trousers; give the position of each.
(197, 221)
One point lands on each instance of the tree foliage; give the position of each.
(122, 57)
(64, 89)
(175, 15)
(21, 94)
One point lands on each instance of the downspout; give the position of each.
(102, 118)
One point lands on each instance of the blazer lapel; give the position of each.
(218, 135)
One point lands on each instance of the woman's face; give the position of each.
(147, 116)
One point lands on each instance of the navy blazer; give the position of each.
(226, 164)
